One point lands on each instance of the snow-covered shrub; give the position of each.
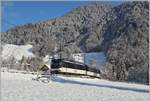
(34, 63)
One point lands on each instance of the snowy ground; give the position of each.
(22, 87)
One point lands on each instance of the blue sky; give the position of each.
(21, 12)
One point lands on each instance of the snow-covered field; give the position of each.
(16, 51)
(22, 87)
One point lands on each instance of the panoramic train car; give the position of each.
(73, 67)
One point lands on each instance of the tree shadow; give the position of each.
(62, 80)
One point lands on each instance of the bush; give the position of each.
(34, 63)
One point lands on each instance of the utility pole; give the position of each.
(60, 39)
(60, 47)
(84, 57)
(61, 42)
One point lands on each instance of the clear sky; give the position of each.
(22, 12)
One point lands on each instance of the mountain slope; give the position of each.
(76, 27)
(127, 45)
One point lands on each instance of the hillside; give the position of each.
(121, 32)
(127, 45)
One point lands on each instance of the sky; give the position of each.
(14, 13)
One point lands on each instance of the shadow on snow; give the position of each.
(62, 80)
